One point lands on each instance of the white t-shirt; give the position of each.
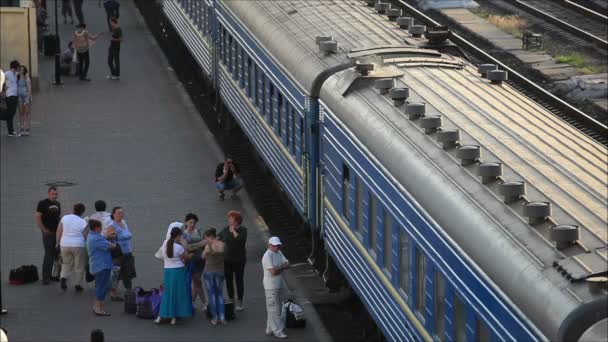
(272, 260)
(73, 228)
(174, 262)
(105, 219)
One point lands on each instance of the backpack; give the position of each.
(147, 303)
(23, 275)
(292, 315)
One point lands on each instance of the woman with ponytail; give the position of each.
(176, 300)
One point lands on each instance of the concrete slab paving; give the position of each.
(138, 143)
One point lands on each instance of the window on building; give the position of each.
(345, 192)
(420, 282)
(460, 318)
(439, 306)
(373, 223)
(404, 262)
(387, 248)
(359, 207)
(481, 331)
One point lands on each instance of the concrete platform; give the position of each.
(138, 143)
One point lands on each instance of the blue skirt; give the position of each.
(176, 300)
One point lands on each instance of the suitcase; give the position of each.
(50, 45)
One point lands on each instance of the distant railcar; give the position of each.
(457, 208)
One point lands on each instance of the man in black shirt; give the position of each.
(114, 51)
(48, 214)
(227, 178)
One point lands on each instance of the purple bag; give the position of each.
(147, 302)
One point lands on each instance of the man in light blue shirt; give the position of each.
(100, 263)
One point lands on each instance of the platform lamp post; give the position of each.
(2, 310)
(57, 47)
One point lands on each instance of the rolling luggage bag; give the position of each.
(50, 45)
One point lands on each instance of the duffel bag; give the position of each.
(23, 275)
(147, 303)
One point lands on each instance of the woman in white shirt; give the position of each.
(71, 234)
(176, 299)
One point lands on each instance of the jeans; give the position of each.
(50, 252)
(213, 282)
(78, 10)
(111, 12)
(273, 309)
(234, 270)
(11, 109)
(114, 60)
(83, 63)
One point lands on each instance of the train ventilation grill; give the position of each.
(584, 266)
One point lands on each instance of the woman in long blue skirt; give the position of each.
(176, 301)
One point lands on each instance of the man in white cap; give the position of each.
(274, 263)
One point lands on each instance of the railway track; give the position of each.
(590, 126)
(573, 22)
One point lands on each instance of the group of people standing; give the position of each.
(100, 243)
(16, 93)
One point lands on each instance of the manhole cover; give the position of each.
(61, 183)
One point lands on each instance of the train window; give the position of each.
(293, 133)
(460, 318)
(288, 119)
(262, 93)
(345, 192)
(404, 262)
(271, 105)
(420, 282)
(248, 77)
(359, 207)
(302, 141)
(373, 223)
(280, 115)
(482, 332)
(252, 82)
(387, 247)
(229, 54)
(439, 306)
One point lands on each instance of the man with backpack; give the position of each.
(83, 41)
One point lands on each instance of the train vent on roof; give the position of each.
(448, 137)
(497, 76)
(431, 123)
(512, 191)
(415, 110)
(364, 68)
(417, 30)
(537, 212)
(483, 69)
(468, 154)
(370, 3)
(393, 14)
(405, 22)
(564, 235)
(489, 172)
(399, 95)
(382, 7)
(384, 84)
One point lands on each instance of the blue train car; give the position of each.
(457, 209)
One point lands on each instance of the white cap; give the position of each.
(275, 241)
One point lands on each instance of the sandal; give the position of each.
(103, 313)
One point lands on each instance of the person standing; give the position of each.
(175, 301)
(12, 96)
(71, 234)
(235, 238)
(24, 84)
(214, 276)
(227, 178)
(123, 239)
(194, 243)
(112, 10)
(78, 11)
(102, 216)
(83, 40)
(66, 11)
(48, 213)
(274, 263)
(100, 263)
(114, 50)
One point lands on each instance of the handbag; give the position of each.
(56, 272)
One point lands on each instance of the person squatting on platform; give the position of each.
(227, 178)
(274, 263)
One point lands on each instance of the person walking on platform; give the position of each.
(102, 216)
(235, 238)
(83, 41)
(78, 11)
(227, 178)
(71, 234)
(194, 243)
(112, 8)
(175, 301)
(25, 100)
(66, 11)
(274, 263)
(123, 238)
(48, 214)
(12, 96)
(100, 263)
(214, 276)
(114, 50)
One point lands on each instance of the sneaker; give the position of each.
(25, 132)
(64, 284)
(269, 333)
(14, 134)
(239, 308)
(280, 334)
(173, 321)
(213, 322)
(157, 320)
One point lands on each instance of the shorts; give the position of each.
(102, 283)
(24, 99)
(235, 182)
